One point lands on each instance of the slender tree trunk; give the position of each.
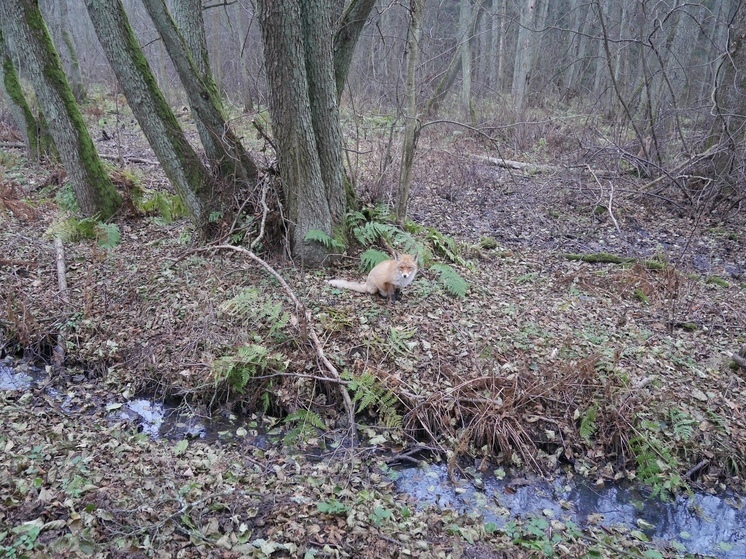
(221, 145)
(501, 47)
(23, 27)
(348, 32)
(412, 127)
(38, 142)
(729, 99)
(76, 79)
(179, 161)
(524, 55)
(576, 70)
(465, 36)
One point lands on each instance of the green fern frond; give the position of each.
(306, 416)
(588, 424)
(73, 229)
(320, 237)
(306, 424)
(399, 340)
(241, 304)
(261, 312)
(369, 232)
(108, 235)
(248, 361)
(167, 206)
(369, 393)
(371, 257)
(446, 246)
(451, 280)
(682, 424)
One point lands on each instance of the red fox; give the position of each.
(386, 278)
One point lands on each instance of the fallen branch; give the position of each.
(5, 262)
(305, 321)
(536, 168)
(59, 349)
(607, 258)
(129, 159)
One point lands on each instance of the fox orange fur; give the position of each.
(386, 278)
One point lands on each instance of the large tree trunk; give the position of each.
(306, 197)
(220, 143)
(322, 94)
(179, 161)
(25, 31)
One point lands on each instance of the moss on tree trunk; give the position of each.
(179, 161)
(24, 28)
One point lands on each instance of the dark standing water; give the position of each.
(707, 524)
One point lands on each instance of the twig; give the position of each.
(265, 212)
(611, 198)
(264, 134)
(696, 469)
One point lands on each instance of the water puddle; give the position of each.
(156, 419)
(714, 525)
(706, 524)
(16, 376)
(160, 419)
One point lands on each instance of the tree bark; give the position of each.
(221, 145)
(76, 79)
(322, 94)
(465, 36)
(729, 107)
(179, 161)
(290, 107)
(345, 39)
(25, 31)
(413, 125)
(524, 55)
(38, 143)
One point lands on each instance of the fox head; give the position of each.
(406, 264)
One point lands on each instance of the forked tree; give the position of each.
(300, 49)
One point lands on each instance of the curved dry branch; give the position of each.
(306, 327)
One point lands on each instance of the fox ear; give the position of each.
(397, 256)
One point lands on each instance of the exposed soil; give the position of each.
(607, 370)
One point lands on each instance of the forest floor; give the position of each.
(611, 371)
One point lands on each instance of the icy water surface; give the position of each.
(713, 525)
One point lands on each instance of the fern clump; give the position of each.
(371, 225)
(248, 361)
(74, 229)
(451, 280)
(369, 393)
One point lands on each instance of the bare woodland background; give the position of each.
(651, 88)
